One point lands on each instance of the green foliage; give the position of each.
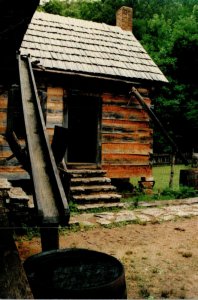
(166, 194)
(53, 7)
(186, 192)
(182, 193)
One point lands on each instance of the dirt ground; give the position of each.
(160, 260)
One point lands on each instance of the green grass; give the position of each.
(161, 177)
(161, 190)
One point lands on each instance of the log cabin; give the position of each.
(84, 73)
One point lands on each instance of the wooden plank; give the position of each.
(126, 148)
(127, 171)
(50, 199)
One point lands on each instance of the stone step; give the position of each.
(88, 189)
(17, 195)
(86, 173)
(98, 197)
(90, 181)
(5, 184)
(87, 207)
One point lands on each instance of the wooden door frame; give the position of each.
(98, 154)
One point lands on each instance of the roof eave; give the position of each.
(136, 81)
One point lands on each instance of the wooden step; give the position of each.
(91, 186)
(98, 197)
(86, 173)
(17, 195)
(90, 180)
(83, 166)
(88, 189)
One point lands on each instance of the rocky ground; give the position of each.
(157, 245)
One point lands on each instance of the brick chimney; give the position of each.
(124, 17)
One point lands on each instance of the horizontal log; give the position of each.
(12, 169)
(4, 95)
(126, 148)
(120, 171)
(54, 99)
(126, 159)
(114, 128)
(54, 113)
(5, 153)
(55, 91)
(143, 91)
(3, 127)
(124, 101)
(3, 116)
(53, 120)
(5, 150)
(125, 124)
(141, 137)
(3, 103)
(55, 106)
(50, 130)
(13, 173)
(123, 113)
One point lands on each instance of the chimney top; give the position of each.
(124, 17)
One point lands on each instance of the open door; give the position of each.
(84, 118)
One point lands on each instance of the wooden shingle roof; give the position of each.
(86, 47)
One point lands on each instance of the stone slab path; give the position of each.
(154, 212)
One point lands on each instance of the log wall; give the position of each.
(10, 118)
(4, 147)
(126, 134)
(55, 109)
(126, 137)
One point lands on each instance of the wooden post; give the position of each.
(172, 170)
(49, 238)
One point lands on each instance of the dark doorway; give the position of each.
(83, 125)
